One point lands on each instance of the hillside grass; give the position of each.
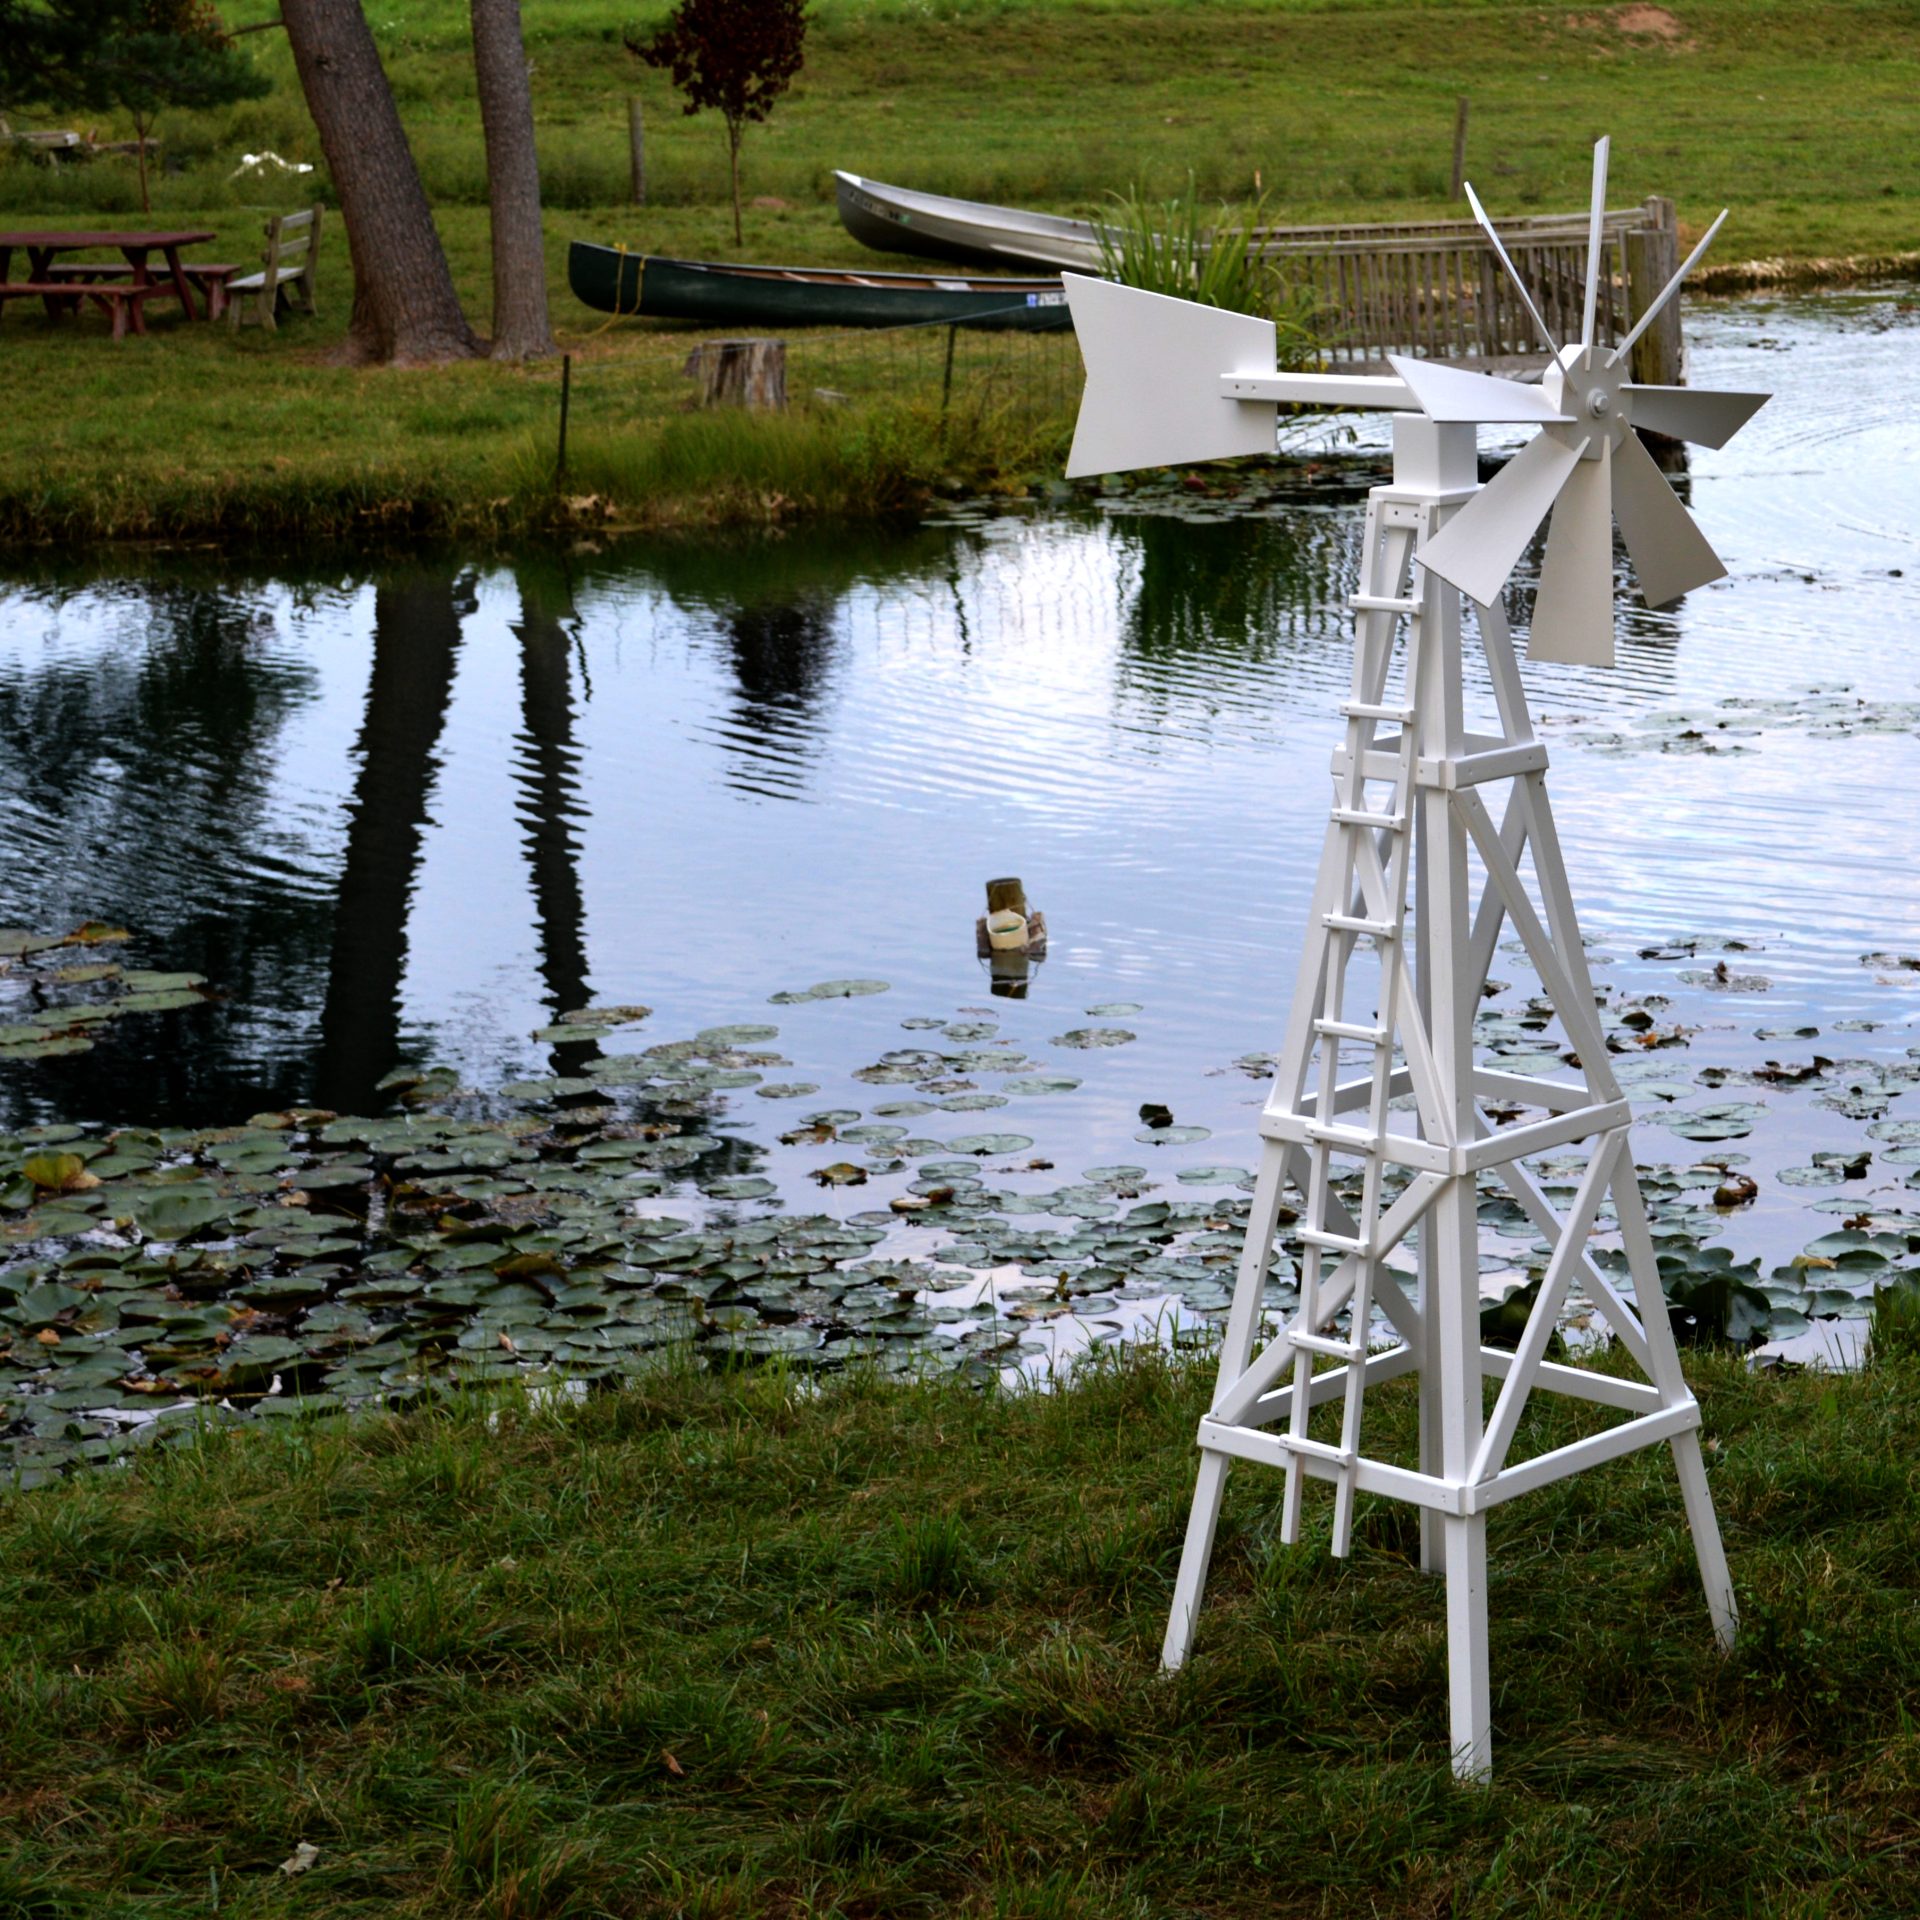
(738, 1646)
(1806, 121)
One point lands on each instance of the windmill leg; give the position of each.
(1236, 1350)
(1189, 1588)
(1688, 1462)
(1469, 1685)
(1456, 1312)
(1714, 1576)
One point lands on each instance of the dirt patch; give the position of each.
(1651, 23)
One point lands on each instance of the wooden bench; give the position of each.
(212, 280)
(293, 241)
(63, 296)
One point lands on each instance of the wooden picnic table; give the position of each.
(123, 287)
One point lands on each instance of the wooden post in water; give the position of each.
(1652, 255)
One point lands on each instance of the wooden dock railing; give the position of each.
(1436, 289)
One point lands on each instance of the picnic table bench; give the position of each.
(122, 289)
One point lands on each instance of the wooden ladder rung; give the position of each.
(1332, 1242)
(1316, 1449)
(1375, 710)
(1329, 1345)
(1350, 1030)
(1360, 817)
(1353, 923)
(1356, 1140)
(1381, 603)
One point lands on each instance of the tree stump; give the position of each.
(741, 373)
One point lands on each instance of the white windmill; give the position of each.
(1389, 1103)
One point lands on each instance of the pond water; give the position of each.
(408, 814)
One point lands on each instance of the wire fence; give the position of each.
(1028, 375)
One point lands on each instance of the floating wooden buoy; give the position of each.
(1009, 926)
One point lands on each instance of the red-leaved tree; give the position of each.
(736, 56)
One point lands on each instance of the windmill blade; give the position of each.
(1670, 554)
(1153, 394)
(1699, 414)
(1450, 393)
(1595, 228)
(1478, 547)
(1667, 292)
(1513, 272)
(1573, 610)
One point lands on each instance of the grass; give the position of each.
(1333, 111)
(729, 1646)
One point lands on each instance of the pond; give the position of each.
(406, 815)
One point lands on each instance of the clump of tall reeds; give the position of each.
(1213, 256)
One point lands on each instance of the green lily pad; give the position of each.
(829, 990)
(1115, 1010)
(1722, 1120)
(984, 1144)
(1173, 1136)
(1094, 1037)
(1042, 1083)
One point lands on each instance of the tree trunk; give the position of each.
(734, 131)
(521, 330)
(140, 126)
(404, 305)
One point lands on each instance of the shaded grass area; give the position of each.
(1335, 112)
(730, 1645)
(196, 432)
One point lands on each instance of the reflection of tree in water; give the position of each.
(139, 789)
(1218, 597)
(781, 653)
(547, 767)
(417, 618)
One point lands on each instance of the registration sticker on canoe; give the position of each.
(1047, 299)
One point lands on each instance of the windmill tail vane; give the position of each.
(1382, 1121)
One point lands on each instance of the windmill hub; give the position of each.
(1583, 384)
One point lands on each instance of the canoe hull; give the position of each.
(939, 227)
(615, 281)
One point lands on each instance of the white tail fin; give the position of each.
(1153, 394)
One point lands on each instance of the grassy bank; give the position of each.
(1337, 112)
(724, 1646)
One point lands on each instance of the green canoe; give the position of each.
(616, 281)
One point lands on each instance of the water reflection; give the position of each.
(141, 775)
(416, 641)
(550, 806)
(266, 778)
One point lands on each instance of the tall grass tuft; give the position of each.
(1172, 246)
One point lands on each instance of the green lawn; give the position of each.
(1806, 121)
(734, 1647)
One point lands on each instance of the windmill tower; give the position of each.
(1377, 1113)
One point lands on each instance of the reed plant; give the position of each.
(1180, 247)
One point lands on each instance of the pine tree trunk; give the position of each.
(521, 329)
(404, 305)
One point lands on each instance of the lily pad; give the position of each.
(984, 1144)
(829, 990)
(1722, 1120)
(1041, 1083)
(1094, 1037)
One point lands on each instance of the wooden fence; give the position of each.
(1438, 290)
